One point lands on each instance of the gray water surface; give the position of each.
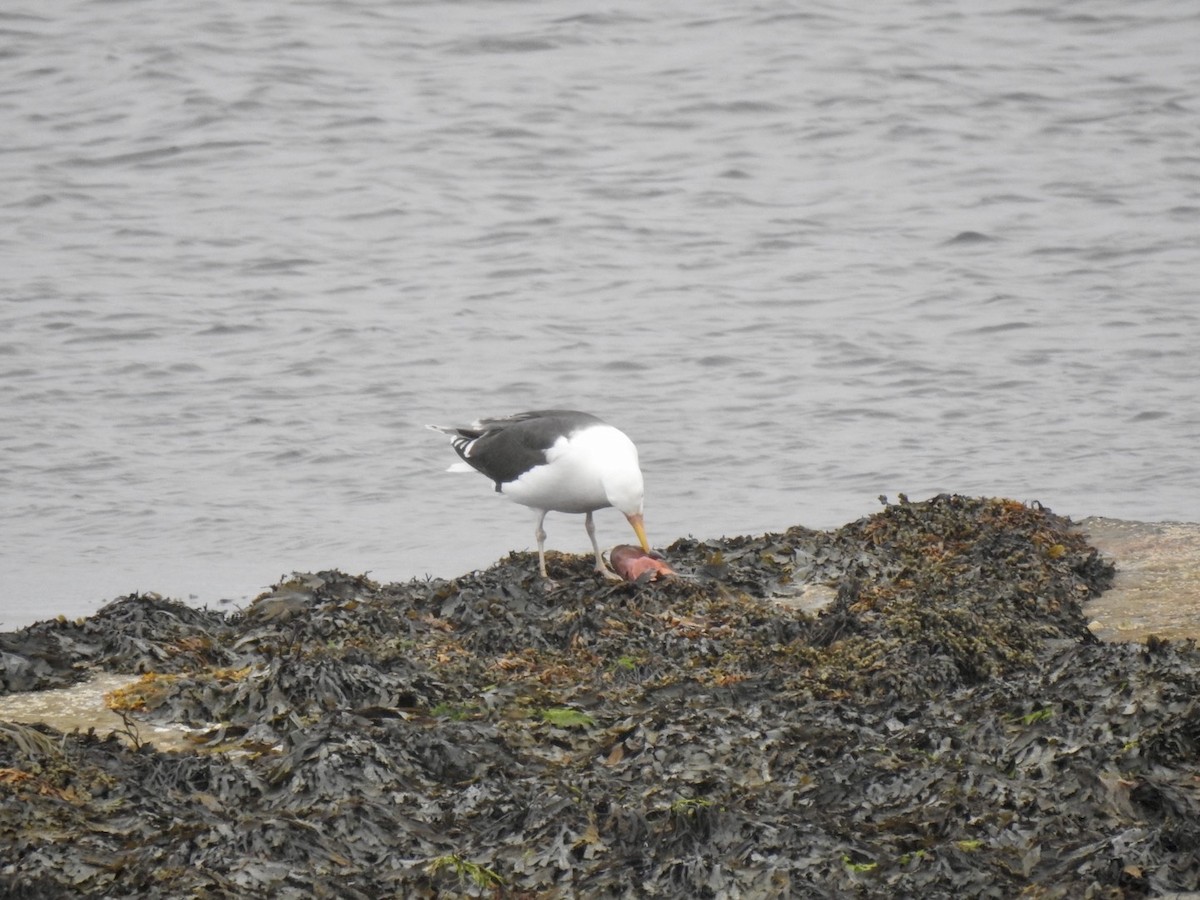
(803, 255)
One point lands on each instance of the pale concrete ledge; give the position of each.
(1157, 590)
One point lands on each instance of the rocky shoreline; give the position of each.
(946, 725)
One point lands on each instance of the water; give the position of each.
(804, 255)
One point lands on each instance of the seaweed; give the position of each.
(947, 726)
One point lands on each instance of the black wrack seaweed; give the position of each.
(946, 727)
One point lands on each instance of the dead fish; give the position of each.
(631, 563)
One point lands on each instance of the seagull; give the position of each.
(556, 460)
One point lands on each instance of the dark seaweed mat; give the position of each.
(947, 728)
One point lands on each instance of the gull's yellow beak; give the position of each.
(639, 529)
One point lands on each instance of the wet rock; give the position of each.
(1157, 589)
(946, 725)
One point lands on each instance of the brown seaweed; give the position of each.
(947, 727)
